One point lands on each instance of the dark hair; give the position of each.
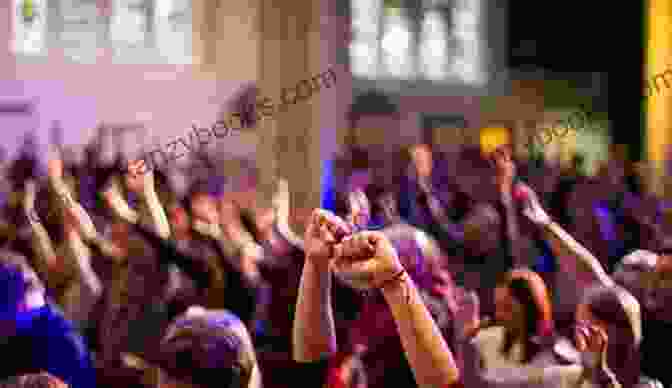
(536, 310)
(371, 103)
(623, 355)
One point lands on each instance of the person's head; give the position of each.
(617, 313)
(523, 307)
(421, 157)
(653, 282)
(207, 348)
(481, 227)
(34, 380)
(373, 110)
(383, 203)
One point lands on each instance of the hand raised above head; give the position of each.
(531, 205)
(323, 232)
(367, 260)
(139, 177)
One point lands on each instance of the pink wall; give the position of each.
(167, 99)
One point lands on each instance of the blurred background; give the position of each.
(454, 73)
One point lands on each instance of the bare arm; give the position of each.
(141, 181)
(314, 335)
(368, 260)
(41, 242)
(432, 361)
(573, 257)
(115, 201)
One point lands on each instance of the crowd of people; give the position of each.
(497, 273)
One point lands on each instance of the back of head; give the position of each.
(620, 311)
(529, 289)
(208, 348)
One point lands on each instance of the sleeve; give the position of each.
(67, 355)
(475, 374)
(313, 374)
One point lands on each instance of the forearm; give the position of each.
(314, 335)
(43, 248)
(82, 258)
(574, 257)
(428, 354)
(118, 205)
(154, 213)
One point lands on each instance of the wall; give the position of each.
(166, 99)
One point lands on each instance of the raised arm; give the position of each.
(314, 335)
(573, 258)
(84, 294)
(140, 180)
(367, 260)
(42, 246)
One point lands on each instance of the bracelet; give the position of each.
(397, 277)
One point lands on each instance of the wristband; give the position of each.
(397, 277)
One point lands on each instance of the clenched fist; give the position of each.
(325, 230)
(366, 260)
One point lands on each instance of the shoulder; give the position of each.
(489, 337)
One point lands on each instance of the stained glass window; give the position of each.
(437, 40)
(79, 29)
(135, 31)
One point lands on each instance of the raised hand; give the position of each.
(359, 210)
(325, 230)
(532, 208)
(55, 166)
(366, 260)
(138, 177)
(592, 342)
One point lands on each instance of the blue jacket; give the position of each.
(46, 341)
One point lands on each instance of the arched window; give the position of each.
(435, 40)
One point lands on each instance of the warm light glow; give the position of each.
(659, 117)
(493, 137)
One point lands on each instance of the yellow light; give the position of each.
(493, 137)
